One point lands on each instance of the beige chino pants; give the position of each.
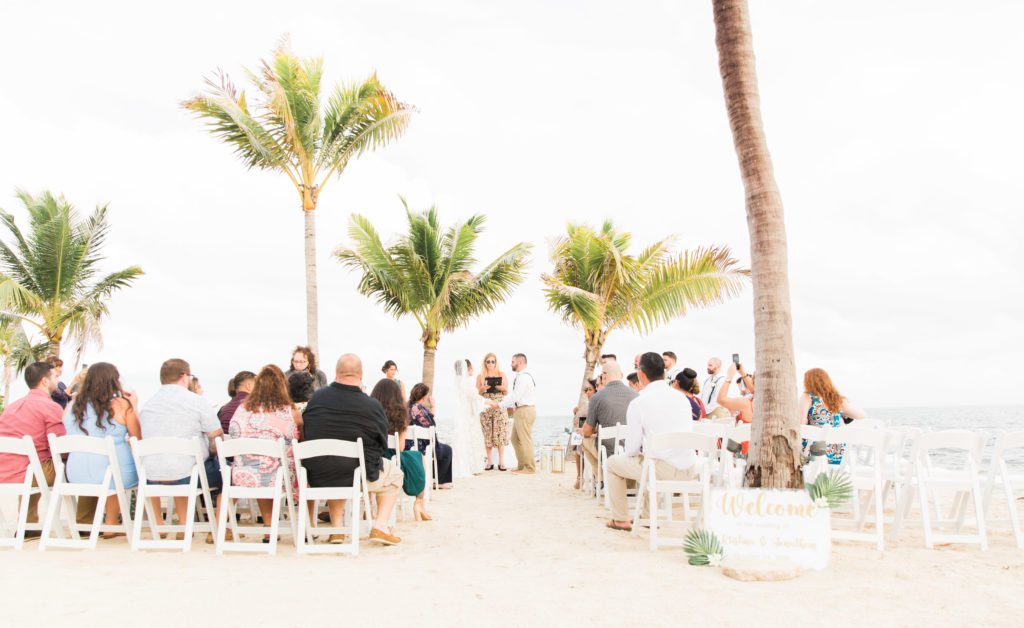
(589, 447)
(719, 413)
(522, 437)
(622, 468)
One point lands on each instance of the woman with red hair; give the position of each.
(822, 405)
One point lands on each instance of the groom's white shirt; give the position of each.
(524, 391)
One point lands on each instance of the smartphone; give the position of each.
(736, 359)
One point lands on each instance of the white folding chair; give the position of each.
(417, 433)
(280, 488)
(358, 491)
(14, 534)
(724, 420)
(928, 479)
(617, 434)
(1000, 478)
(198, 486)
(720, 432)
(813, 434)
(68, 493)
(407, 503)
(862, 462)
(868, 424)
(733, 467)
(653, 487)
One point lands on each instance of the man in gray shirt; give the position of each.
(607, 407)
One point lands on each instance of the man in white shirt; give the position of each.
(670, 365)
(709, 390)
(657, 410)
(522, 401)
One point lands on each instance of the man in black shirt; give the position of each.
(343, 411)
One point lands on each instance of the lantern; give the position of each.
(545, 459)
(558, 458)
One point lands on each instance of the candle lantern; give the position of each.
(558, 458)
(545, 459)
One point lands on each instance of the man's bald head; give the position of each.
(349, 370)
(612, 372)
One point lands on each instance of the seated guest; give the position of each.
(267, 413)
(239, 388)
(389, 394)
(100, 409)
(685, 382)
(607, 407)
(420, 415)
(60, 395)
(671, 370)
(656, 410)
(176, 412)
(633, 381)
(343, 411)
(303, 359)
(36, 415)
(194, 386)
(822, 405)
(301, 387)
(589, 390)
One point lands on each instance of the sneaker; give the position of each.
(380, 536)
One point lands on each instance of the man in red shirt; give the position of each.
(35, 415)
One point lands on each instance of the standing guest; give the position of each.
(712, 384)
(420, 415)
(301, 387)
(390, 370)
(521, 402)
(194, 386)
(303, 359)
(343, 411)
(176, 412)
(670, 360)
(493, 420)
(658, 409)
(822, 405)
(607, 408)
(36, 415)
(636, 362)
(100, 409)
(634, 381)
(60, 395)
(742, 406)
(589, 390)
(414, 482)
(242, 384)
(268, 414)
(685, 382)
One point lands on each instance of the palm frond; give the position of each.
(703, 547)
(834, 488)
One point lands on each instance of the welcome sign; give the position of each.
(771, 523)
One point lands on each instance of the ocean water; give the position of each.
(990, 420)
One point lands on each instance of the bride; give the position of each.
(468, 444)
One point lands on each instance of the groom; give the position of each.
(521, 401)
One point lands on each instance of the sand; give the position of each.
(509, 550)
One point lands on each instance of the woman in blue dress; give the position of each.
(823, 406)
(103, 409)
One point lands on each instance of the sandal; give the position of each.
(611, 524)
(502, 469)
(489, 467)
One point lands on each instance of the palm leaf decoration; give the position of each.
(427, 273)
(833, 487)
(703, 547)
(596, 284)
(50, 276)
(287, 126)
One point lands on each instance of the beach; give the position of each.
(508, 550)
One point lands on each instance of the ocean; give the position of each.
(991, 420)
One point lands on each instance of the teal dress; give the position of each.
(90, 468)
(415, 480)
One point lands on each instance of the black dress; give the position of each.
(419, 415)
(345, 413)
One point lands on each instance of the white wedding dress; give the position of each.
(468, 451)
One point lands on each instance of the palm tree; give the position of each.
(16, 351)
(48, 277)
(292, 131)
(598, 286)
(774, 453)
(426, 274)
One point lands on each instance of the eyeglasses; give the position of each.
(490, 361)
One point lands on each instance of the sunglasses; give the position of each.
(490, 361)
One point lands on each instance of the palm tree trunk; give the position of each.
(7, 381)
(774, 455)
(429, 353)
(52, 348)
(312, 338)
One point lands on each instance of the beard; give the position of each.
(711, 371)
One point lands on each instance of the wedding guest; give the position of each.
(420, 415)
(685, 382)
(195, 387)
(36, 415)
(658, 409)
(414, 482)
(822, 405)
(633, 381)
(304, 360)
(343, 411)
(267, 414)
(589, 390)
(176, 412)
(100, 409)
(521, 401)
(669, 358)
(742, 407)
(390, 370)
(606, 358)
(493, 421)
(709, 390)
(607, 408)
(301, 387)
(241, 384)
(60, 395)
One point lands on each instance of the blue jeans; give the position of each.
(212, 466)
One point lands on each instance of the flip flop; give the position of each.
(611, 524)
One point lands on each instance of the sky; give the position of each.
(894, 129)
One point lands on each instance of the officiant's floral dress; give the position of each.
(494, 422)
(259, 471)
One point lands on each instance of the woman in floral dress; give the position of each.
(823, 406)
(493, 421)
(266, 413)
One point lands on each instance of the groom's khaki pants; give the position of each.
(522, 437)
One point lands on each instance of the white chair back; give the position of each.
(14, 534)
(357, 494)
(1000, 477)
